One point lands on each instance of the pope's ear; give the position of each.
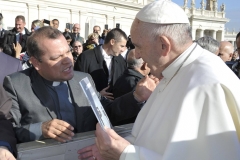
(166, 45)
(35, 63)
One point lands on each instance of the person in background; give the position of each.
(8, 65)
(235, 56)
(2, 31)
(104, 63)
(18, 34)
(76, 34)
(55, 23)
(136, 70)
(226, 50)
(77, 50)
(97, 29)
(91, 42)
(8, 147)
(36, 24)
(68, 38)
(209, 44)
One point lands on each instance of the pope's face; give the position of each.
(56, 61)
(146, 48)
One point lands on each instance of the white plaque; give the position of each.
(95, 103)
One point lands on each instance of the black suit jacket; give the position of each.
(126, 83)
(92, 62)
(33, 104)
(8, 65)
(6, 129)
(10, 38)
(2, 34)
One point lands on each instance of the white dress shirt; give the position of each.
(108, 59)
(18, 35)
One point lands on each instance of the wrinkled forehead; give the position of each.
(136, 28)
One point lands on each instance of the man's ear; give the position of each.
(166, 45)
(230, 56)
(35, 63)
(144, 66)
(112, 41)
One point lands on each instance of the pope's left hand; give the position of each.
(109, 143)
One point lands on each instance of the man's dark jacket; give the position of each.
(10, 38)
(6, 129)
(126, 83)
(92, 62)
(32, 103)
(8, 65)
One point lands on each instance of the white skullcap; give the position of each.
(162, 12)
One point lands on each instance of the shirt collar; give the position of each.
(23, 32)
(104, 54)
(174, 66)
(52, 83)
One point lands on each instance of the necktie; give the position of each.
(20, 37)
(105, 68)
(66, 109)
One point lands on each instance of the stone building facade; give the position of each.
(209, 19)
(85, 12)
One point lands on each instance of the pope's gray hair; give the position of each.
(179, 34)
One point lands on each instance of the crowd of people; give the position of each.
(182, 95)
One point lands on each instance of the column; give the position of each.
(223, 33)
(214, 34)
(110, 22)
(193, 34)
(75, 18)
(201, 33)
(83, 21)
(117, 20)
(145, 2)
(42, 13)
(32, 13)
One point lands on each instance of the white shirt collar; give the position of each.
(174, 66)
(23, 32)
(104, 54)
(55, 83)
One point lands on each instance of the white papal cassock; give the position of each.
(188, 118)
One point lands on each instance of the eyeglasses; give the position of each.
(77, 46)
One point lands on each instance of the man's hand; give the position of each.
(109, 143)
(145, 87)
(5, 154)
(89, 153)
(58, 130)
(106, 94)
(95, 40)
(18, 49)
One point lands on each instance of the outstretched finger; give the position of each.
(85, 149)
(14, 46)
